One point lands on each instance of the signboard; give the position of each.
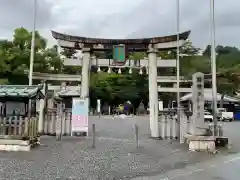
(119, 54)
(160, 105)
(79, 115)
(99, 106)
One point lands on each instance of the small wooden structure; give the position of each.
(18, 117)
(58, 119)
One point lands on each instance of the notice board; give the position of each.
(79, 115)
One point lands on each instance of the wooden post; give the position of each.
(26, 127)
(10, 126)
(20, 131)
(29, 109)
(30, 123)
(136, 135)
(4, 125)
(15, 127)
(33, 127)
(36, 126)
(93, 136)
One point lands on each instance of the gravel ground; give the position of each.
(115, 155)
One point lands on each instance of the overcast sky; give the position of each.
(123, 18)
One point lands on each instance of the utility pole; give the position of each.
(213, 65)
(178, 59)
(32, 43)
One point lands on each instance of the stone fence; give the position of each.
(170, 127)
(51, 119)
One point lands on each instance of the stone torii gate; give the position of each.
(150, 45)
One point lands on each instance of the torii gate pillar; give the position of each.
(153, 91)
(85, 73)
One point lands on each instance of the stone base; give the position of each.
(200, 131)
(80, 134)
(201, 143)
(17, 145)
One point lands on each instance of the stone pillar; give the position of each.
(85, 73)
(41, 117)
(59, 121)
(153, 92)
(197, 119)
(43, 109)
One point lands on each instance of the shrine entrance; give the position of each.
(119, 50)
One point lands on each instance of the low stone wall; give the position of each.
(18, 145)
(201, 143)
(51, 119)
(169, 126)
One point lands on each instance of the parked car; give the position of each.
(227, 116)
(208, 116)
(224, 115)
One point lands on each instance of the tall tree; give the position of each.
(70, 53)
(15, 56)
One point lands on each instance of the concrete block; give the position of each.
(201, 145)
(17, 145)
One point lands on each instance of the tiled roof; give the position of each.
(208, 97)
(69, 91)
(20, 91)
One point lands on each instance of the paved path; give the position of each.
(224, 168)
(115, 156)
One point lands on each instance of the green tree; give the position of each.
(15, 56)
(69, 53)
(136, 56)
(119, 88)
(192, 64)
(52, 59)
(228, 63)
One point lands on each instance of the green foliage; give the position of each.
(189, 49)
(68, 53)
(15, 56)
(117, 88)
(227, 62)
(192, 64)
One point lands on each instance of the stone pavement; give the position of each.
(224, 168)
(115, 156)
